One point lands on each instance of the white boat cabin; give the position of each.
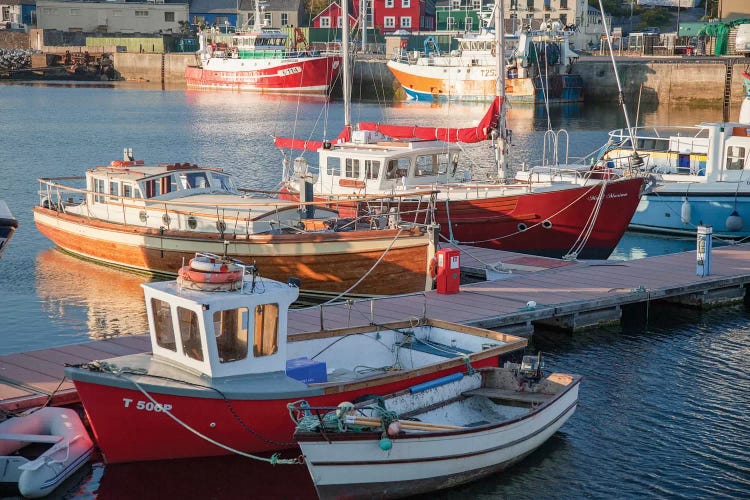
(708, 153)
(179, 197)
(221, 334)
(370, 165)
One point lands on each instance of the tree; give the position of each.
(612, 7)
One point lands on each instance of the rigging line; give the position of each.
(369, 271)
(588, 228)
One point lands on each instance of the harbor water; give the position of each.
(665, 403)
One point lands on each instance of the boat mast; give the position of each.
(501, 145)
(257, 22)
(637, 162)
(346, 81)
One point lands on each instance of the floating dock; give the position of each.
(531, 291)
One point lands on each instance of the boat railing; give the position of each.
(238, 214)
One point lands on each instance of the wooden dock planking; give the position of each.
(559, 288)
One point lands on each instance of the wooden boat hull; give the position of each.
(546, 223)
(352, 465)
(313, 75)
(327, 262)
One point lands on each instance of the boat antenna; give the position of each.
(501, 144)
(346, 81)
(637, 160)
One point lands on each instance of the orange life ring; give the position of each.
(211, 265)
(433, 267)
(115, 163)
(189, 274)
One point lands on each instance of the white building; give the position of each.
(111, 16)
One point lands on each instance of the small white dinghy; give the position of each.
(434, 435)
(71, 447)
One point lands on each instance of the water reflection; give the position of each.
(89, 298)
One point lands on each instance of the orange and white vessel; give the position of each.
(154, 218)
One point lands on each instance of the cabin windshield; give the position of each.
(735, 158)
(397, 168)
(266, 330)
(163, 327)
(431, 165)
(231, 330)
(190, 333)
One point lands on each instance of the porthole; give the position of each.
(143, 216)
(547, 224)
(522, 227)
(192, 222)
(166, 219)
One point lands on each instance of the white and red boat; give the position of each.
(261, 60)
(223, 368)
(555, 219)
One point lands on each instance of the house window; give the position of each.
(141, 13)
(284, 19)
(325, 22)
(564, 19)
(266, 332)
(190, 333)
(469, 23)
(75, 12)
(547, 5)
(267, 19)
(169, 17)
(450, 23)
(406, 22)
(338, 22)
(455, 4)
(6, 13)
(563, 4)
(389, 22)
(406, 4)
(513, 5)
(529, 4)
(221, 20)
(388, 4)
(231, 330)
(476, 4)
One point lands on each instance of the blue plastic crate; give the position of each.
(306, 370)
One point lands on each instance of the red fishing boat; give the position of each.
(556, 219)
(262, 60)
(222, 368)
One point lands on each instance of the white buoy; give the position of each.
(530, 305)
(734, 222)
(685, 211)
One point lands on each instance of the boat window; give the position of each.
(223, 181)
(230, 328)
(127, 190)
(372, 169)
(190, 333)
(99, 188)
(152, 188)
(163, 327)
(735, 158)
(432, 164)
(397, 168)
(197, 180)
(114, 190)
(352, 168)
(266, 333)
(333, 165)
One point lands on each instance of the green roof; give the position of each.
(691, 29)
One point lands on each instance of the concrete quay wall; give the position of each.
(678, 80)
(681, 81)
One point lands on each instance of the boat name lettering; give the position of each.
(488, 72)
(610, 195)
(290, 71)
(146, 405)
